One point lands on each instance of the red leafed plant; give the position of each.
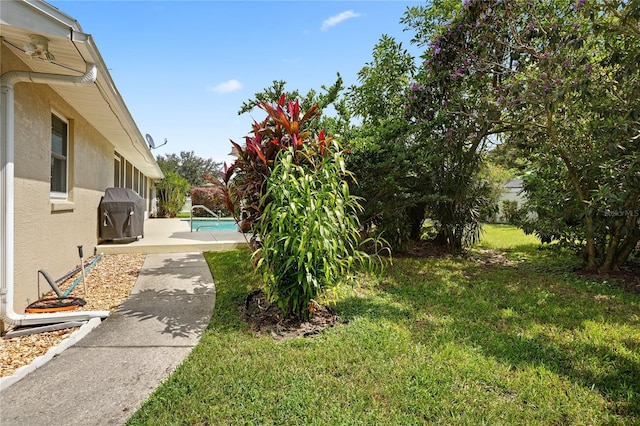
(210, 197)
(244, 182)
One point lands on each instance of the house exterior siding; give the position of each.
(47, 231)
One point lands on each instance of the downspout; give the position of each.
(7, 177)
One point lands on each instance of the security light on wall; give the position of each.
(39, 48)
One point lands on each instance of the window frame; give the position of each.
(128, 175)
(117, 170)
(58, 195)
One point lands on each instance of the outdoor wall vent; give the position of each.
(39, 48)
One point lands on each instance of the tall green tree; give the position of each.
(426, 20)
(190, 166)
(383, 155)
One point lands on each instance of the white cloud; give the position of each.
(226, 87)
(335, 20)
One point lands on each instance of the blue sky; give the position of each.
(184, 68)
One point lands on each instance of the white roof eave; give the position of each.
(99, 103)
(38, 16)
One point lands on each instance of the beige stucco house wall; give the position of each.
(47, 232)
(47, 227)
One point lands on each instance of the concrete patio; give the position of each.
(174, 236)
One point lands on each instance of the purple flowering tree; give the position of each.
(453, 119)
(559, 81)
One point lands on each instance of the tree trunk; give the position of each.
(441, 239)
(591, 243)
(621, 245)
(626, 248)
(612, 248)
(574, 176)
(449, 239)
(416, 217)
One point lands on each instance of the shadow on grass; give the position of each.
(529, 313)
(616, 376)
(526, 313)
(234, 279)
(353, 307)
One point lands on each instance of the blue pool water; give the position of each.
(212, 224)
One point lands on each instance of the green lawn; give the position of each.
(504, 336)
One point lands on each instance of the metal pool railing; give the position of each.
(199, 206)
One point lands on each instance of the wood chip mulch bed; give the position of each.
(109, 283)
(265, 318)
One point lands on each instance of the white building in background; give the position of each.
(513, 191)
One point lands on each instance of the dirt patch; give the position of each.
(424, 249)
(490, 258)
(265, 318)
(109, 283)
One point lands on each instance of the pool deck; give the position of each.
(174, 236)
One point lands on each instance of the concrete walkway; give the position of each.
(107, 375)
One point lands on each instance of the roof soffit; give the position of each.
(99, 103)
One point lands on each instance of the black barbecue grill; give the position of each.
(121, 214)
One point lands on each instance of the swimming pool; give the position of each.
(212, 224)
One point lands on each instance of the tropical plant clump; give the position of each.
(288, 188)
(172, 194)
(309, 229)
(244, 182)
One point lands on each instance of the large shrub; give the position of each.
(558, 82)
(287, 188)
(511, 212)
(172, 194)
(210, 197)
(309, 229)
(383, 156)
